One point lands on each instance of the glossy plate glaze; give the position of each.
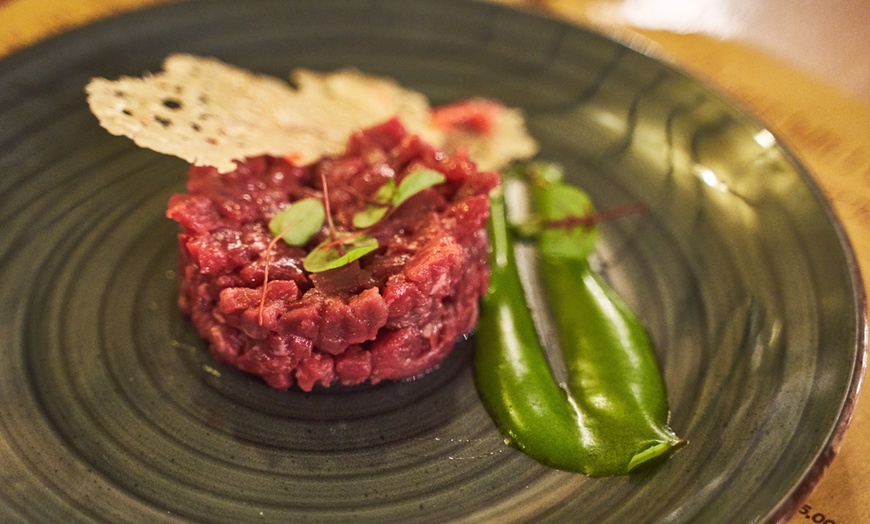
(112, 410)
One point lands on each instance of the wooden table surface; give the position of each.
(802, 68)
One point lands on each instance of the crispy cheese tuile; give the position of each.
(211, 113)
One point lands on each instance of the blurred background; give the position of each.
(828, 38)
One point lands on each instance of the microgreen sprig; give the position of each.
(390, 196)
(301, 221)
(565, 225)
(377, 208)
(341, 249)
(333, 254)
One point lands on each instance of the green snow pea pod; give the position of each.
(512, 372)
(613, 373)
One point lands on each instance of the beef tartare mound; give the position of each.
(393, 314)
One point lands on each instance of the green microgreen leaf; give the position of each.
(416, 182)
(386, 192)
(378, 208)
(369, 216)
(557, 202)
(560, 210)
(332, 254)
(299, 222)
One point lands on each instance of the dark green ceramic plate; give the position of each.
(110, 409)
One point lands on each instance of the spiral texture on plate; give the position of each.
(112, 410)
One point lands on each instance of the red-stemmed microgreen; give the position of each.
(390, 196)
(341, 249)
(378, 207)
(301, 221)
(565, 224)
(588, 219)
(266, 261)
(332, 231)
(296, 225)
(415, 182)
(333, 254)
